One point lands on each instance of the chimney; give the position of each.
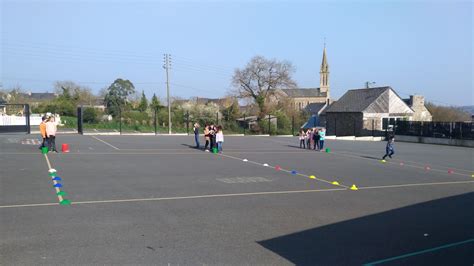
(417, 100)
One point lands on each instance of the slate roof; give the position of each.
(357, 100)
(304, 92)
(315, 108)
(41, 95)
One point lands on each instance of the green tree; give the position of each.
(116, 97)
(143, 103)
(232, 113)
(90, 115)
(155, 103)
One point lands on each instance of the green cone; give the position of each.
(328, 150)
(44, 150)
(61, 193)
(65, 202)
(52, 174)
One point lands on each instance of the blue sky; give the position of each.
(419, 47)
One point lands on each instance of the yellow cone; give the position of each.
(472, 175)
(335, 183)
(354, 187)
(312, 177)
(383, 161)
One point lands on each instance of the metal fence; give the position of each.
(156, 121)
(447, 130)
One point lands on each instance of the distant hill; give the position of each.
(468, 108)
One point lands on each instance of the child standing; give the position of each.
(42, 128)
(196, 134)
(309, 138)
(206, 136)
(212, 136)
(219, 138)
(389, 149)
(51, 128)
(316, 139)
(322, 135)
(302, 138)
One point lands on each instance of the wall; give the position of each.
(344, 124)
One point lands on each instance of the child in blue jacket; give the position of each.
(389, 150)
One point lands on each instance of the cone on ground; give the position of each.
(278, 168)
(245, 160)
(44, 150)
(65, 147)
(61, 193)
(312, 177)
(65, 202)
(293, 172)
(383, 161)
(328, 150)
(450, 171)
(354, 187)
(265, 164)
(335, 183)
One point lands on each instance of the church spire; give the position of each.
(324, 74)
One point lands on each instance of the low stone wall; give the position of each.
(440, 141)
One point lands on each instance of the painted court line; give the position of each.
(421, 252)
(60, 198)
(395, 163)
(234, 195)
(179, 198)
(105, 142)
(285, 170)
(413, 162)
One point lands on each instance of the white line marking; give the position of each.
(179, 198)
(105, 142)
(284, 170)
(419, 184)
(413, 162)
(54, 181)
(237, 194)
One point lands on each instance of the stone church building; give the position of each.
(301, 98)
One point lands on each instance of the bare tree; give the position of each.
(260, 78)
(82, 95)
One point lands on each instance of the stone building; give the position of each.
(362, 112)
(417, 104)
(300, 98)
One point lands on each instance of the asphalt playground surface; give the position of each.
(157, 200)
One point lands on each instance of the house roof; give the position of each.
(41, 95)
(315, 108)
(357, 100)
(304, 92)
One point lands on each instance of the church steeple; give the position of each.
(324, 74)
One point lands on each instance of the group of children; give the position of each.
(213, 135)
(48, 128)
(313, 137)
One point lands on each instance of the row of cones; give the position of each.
(427, 167)
(56, 184)
(294, 172)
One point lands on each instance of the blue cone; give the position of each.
(57, 178)
(58, 185)
(293, 172)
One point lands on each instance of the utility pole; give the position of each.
(166, 66)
